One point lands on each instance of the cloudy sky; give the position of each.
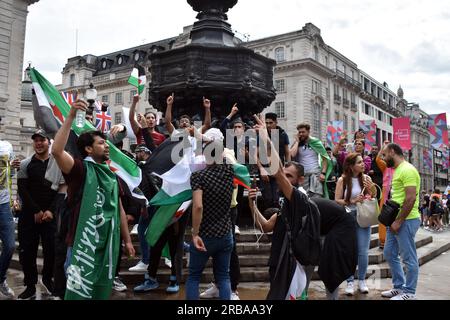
(402, 42)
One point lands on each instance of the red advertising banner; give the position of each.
(402, 133)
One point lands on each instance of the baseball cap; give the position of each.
(142, 147)
(40, 133)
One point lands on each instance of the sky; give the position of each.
(401, 42)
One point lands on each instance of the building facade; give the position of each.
(12, 38)
(314, 82)
(420, 140)
(379, 103)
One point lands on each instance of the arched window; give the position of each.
(316, 53)
(279, 54)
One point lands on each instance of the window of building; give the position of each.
(105, 98)
(118, 117)
(279, 54)
(336, 90)
(344, 69)
(21, 121)
(280, 85)
(132, 94)
(72, 80)
(326, 61)
(352, 97)
(119, 98)
(353, 75)
(345, 93)
(317, 119)
(315, 86)
(353, 124)
(335, 64)
(327, 112)
(280, 109)
(380, 115)
(336, 115)
(345, 122)
(367, 109)
(316, 53)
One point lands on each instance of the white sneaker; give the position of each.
(134, 230)
(350, 290)
(391, 293)
(363, 287)
(236, 230)
(140, 267)
(210, 293)
(404, 296)
(6, 291)
(118, 285)
(168, 263)
(234, 296)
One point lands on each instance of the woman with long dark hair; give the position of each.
(353, 187)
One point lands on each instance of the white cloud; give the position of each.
(397, 41)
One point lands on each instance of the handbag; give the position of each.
(389, 213)
(367, 212)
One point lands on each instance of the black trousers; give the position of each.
(235, 268)
(30, 234)
(59, 276)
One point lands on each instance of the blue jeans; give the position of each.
(363, 239)
(220, 250)
(7, 237)
(403, 245)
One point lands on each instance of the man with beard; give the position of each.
(185, 122)
(400, 235)
(97, 216)
(338, 254)
(280, 141)
(311, 154)
(37, 221)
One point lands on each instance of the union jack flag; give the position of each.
(103, 120)
(69, 97)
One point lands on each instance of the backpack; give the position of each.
(305, 242)
(439, 209)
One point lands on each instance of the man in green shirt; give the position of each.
(400, 235)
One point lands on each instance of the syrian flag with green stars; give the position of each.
(138, 78)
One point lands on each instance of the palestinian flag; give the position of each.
(138, 79)
(52, 108)
(175, 195)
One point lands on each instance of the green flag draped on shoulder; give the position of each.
(318, 147)
(96, 246)
(52, 104)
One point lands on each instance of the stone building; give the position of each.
(314, 82)
(12, 37)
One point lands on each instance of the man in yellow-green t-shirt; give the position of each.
(400, 235)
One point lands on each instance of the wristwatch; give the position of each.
(193, 232)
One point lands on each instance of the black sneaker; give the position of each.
(28, 294)
(48, 286)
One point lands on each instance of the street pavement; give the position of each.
(433, 283)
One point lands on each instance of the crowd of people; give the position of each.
(80, 210)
